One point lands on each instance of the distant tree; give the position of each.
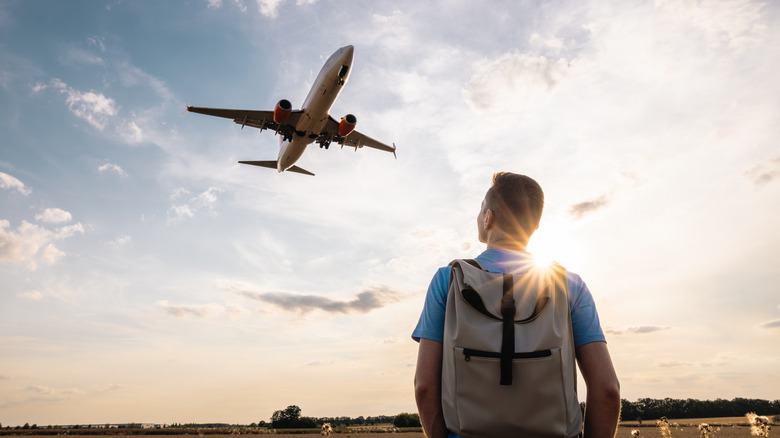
(406, 420)
(291, 418)
(26, 426)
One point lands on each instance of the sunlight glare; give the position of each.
(548, 245)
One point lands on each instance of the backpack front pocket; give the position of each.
(538, 384)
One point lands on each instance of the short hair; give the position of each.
(517, 202)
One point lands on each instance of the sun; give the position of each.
(549, 244)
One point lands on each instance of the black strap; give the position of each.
(508, 338)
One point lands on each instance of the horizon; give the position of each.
(146, 274)
(336, 417)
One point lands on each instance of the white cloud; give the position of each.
(31, 243)
(32, 295)
(81, 56)
(120, 240)
(98, 42)
(53, 216)
(38, 87)
(93, 107)
(511, 78)
(68, 231)
(179, 192)
(269, 8)
(130, 132)
(215, 4)
(9, 182)
(110, 167)
(731, 24)
(180, 212)
(202, 311)
(45, 393)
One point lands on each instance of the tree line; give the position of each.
(649, 408)
(290, 418)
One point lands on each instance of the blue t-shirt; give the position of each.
(584, 318)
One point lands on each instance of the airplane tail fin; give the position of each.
(273, 165)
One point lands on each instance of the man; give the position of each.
(509, 215)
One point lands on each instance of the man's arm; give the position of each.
(602, 408)
(427, 388)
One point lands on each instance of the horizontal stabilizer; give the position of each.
(273, 165)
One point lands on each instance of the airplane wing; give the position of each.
(354, 139)
(256, 119)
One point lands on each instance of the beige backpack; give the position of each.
(508, 365)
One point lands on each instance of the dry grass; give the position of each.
(688, 431)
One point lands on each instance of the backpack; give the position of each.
(508, 365)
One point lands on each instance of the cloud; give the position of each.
(204, 311)
(32, 243)
(38, 87)
(98, 42)
(53, 216)
(269, 8)
(771, 324)
(180, 212)
(511, 78)
(110, 167)
(364, 302)
(80, 56)
(215, 4)
(732, 25)
(32, 295)
(9, 182)
(583, 208)
(765, 172)
(637, 330)
(674, 363)
(45, 393)
(130, 132)
(200, 311)
(93, 107)
(120, 240)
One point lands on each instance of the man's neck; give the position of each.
(503, 242)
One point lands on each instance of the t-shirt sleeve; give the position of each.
(431, 323)
(584, 317)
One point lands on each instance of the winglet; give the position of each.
(394, 155)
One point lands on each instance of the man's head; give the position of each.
(513, 205)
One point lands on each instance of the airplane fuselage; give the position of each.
(316, 107)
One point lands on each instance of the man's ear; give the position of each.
(490, 219)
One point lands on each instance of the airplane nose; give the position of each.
(348, 52)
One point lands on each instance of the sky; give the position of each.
(149, 277)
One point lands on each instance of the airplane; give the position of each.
(312, 123)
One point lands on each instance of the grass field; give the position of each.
(646, 431)
(726, 427)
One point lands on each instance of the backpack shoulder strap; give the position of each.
(560, 278)
(472, 262)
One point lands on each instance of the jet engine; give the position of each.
(347, 125)
(282, 111)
